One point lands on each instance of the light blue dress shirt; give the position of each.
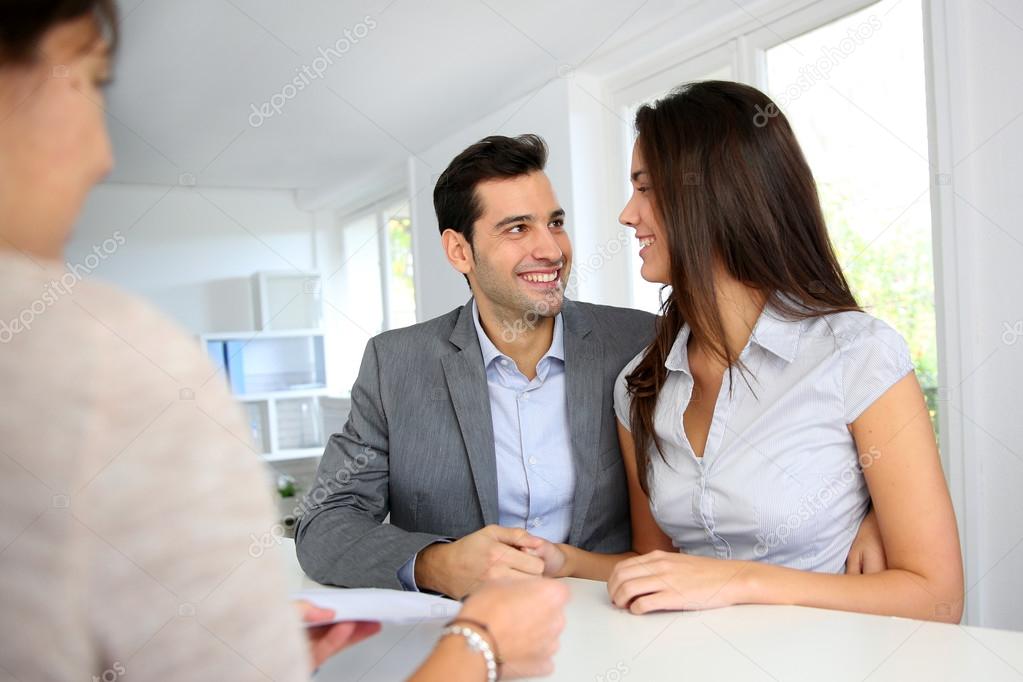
(780, 479)
(532, 442)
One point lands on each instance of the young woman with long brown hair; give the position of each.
(770, 409)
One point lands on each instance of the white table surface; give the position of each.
(603, 644)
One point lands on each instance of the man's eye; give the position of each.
(559, 223)
(518, 229)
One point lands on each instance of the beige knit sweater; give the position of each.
(130, 499)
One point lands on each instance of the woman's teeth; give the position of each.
(643, 243)
(540, 276)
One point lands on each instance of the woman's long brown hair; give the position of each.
(731, 188)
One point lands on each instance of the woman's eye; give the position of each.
(642, 190)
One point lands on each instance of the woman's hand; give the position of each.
(555, 561)
(670, 581)
(867, 552)
(327, 640)
(525, 617)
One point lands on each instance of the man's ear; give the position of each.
(458, 251)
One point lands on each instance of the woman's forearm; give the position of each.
(894, 592)
(590, 565)
(451, 661)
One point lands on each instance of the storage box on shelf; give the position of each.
(288, 300)
(279, 371)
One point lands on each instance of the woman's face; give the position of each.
(641, 215)
(53, 139)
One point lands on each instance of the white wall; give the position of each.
(191, 251)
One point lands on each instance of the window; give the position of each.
(854, 92)
(400, 307)
(369, 286)
(853, 89)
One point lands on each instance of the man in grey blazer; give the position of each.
(491, 426)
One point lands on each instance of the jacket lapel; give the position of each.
(584, 380)
(467, 384)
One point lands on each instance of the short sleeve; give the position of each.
(873, 359)
(622, 399)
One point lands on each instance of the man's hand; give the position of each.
(492, 553)
(867, 552)
(327, 640)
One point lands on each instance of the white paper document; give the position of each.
(381, 606)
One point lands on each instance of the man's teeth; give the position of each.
(540, 276)
(643, 243)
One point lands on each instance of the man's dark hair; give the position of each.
(492, 158)
(23, 23)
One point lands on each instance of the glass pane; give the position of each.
(353, 297)
(853, 91)
(401, 289)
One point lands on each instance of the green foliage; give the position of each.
(892, 277)
(399, 233)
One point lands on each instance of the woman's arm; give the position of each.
(451, 661)
(523, 620)
(646, 534)
(924, 578)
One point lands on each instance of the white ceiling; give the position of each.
(189, 72)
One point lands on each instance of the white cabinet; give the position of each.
(278, 371)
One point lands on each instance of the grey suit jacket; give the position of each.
(419, 444)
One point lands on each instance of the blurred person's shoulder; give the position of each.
(87, 365)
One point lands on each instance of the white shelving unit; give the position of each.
(278, 371)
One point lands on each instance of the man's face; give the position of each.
(522, 255)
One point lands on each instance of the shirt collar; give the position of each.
(776, 334)
(491, 352)
(772, 332)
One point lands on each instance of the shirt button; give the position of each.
(532, 460)
(504, 361)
